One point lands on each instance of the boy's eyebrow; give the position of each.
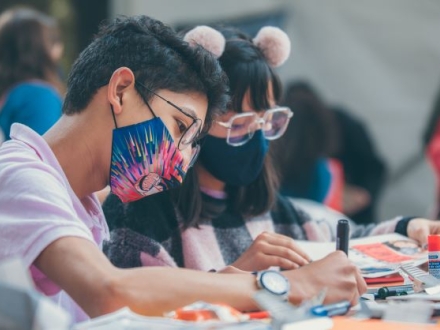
(190, 112)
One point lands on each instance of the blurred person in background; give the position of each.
(431, 144)
(333, 159)
(30, 85)
(365, 171)
(302, 154)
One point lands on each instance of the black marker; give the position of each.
(385, 292)
(342, 235)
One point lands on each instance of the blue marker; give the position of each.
(372, 270)
(339, 308)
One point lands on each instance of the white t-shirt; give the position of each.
(38, 206)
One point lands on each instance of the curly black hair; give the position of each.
(159, 58)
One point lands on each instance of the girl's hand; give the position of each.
(420, 228)
(270, 249)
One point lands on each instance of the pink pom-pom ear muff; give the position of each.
(207, 37)
(274, 43)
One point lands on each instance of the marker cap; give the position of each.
(433, 242)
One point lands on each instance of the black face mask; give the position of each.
(237, 166)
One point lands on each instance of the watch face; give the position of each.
(274, 282)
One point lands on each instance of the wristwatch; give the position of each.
(273, 282)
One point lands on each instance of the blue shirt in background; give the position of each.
(319, 186)
(34, 104)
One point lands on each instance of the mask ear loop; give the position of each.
(148, 105)
(114, 117)
(146, 102)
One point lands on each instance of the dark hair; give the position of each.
(247, 69)
(157, 56)
(26, 36)
(432, 122)
(311, 134)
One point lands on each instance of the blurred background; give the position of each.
(379, 59)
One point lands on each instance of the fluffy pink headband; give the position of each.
(272, 41)
(208, 38)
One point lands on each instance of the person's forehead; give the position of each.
(247, 102)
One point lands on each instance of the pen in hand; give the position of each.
(342, 235)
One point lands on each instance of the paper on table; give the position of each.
(376, 256)
(417, 296)
(125, 319)
(346, 323)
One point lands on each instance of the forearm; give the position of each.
(155, 290)
(98, 287)
(80, 269)
(397, 225)
(372, 229)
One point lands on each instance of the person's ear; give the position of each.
(121, 81)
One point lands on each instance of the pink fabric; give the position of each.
(38, 206)
(218, 194)
(161, 259)
(200, 249)
(317, 231)
(385, 227)
(259, 226)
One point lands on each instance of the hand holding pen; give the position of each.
(335, 272)
(341, 307)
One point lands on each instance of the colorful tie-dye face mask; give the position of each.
(145, 160)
